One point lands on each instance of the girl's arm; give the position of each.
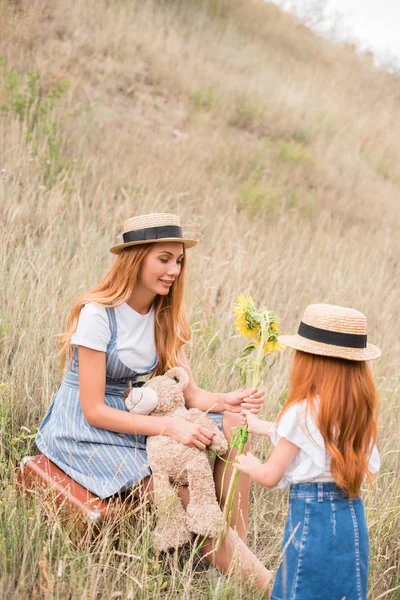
(92, 377)
(235, 401)
(256, 425)
(271, 472)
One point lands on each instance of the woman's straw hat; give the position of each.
(330, 330)
(147, 229)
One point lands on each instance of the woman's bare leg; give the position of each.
(232, 547)
(240, 519)
(233, 555)
(144, 489)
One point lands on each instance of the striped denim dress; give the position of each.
(105, 462)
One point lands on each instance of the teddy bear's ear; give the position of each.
(179, 374)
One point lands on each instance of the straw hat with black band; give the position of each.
(148, 229)
(330, 330)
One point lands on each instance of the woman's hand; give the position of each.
(248, 463)
(189, 434)
(247, 398)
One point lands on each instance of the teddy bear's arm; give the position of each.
(219, 443)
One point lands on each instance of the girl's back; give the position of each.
(325, 438)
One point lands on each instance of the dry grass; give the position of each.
(279, 150)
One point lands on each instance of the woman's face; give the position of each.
(161, 267)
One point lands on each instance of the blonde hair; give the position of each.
(171, 328)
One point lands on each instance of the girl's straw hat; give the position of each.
(336, 331)
(147, 229)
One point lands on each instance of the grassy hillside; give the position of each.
(279, 150)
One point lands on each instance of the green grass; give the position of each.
(294, 151)
(273, 177)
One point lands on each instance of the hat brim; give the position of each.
(187, 243)
(305, 345)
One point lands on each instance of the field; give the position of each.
(279, 150)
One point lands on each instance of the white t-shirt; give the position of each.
(135, 334)
(312, 462)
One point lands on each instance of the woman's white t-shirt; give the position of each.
(135, 334)
(312, 462)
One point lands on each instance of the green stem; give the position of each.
(238, 441)
(260, 354)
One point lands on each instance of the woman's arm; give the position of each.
(235, 401)
(92, 378)
(92, 383)
(270, 473)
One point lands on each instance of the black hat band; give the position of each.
(153, 233)
(334, 338)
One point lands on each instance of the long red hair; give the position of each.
(171, 327)
(347, 413)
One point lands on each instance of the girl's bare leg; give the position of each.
(240, 519)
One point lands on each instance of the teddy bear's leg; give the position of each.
(171, 530)
(204, 515)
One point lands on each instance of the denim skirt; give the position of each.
(324, 554)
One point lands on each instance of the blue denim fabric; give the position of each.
(324, 554)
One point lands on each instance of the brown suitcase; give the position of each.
(37, 475)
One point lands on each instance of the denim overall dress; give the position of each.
(104, 462)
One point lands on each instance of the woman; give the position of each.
(134, 323)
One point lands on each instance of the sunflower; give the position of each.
(244, 310)
(263, 326)
(273, 346)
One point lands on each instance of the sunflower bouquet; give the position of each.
(262, 326)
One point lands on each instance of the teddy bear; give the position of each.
(174, 465)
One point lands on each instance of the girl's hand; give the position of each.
(256, 425)
(248, 398)
(248, 463)
(189, 434)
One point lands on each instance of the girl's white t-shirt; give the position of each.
(312, 462)
(135, 334)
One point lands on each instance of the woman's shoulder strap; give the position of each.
(112, 321)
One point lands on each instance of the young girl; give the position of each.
(324, 440)
(134, 323)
